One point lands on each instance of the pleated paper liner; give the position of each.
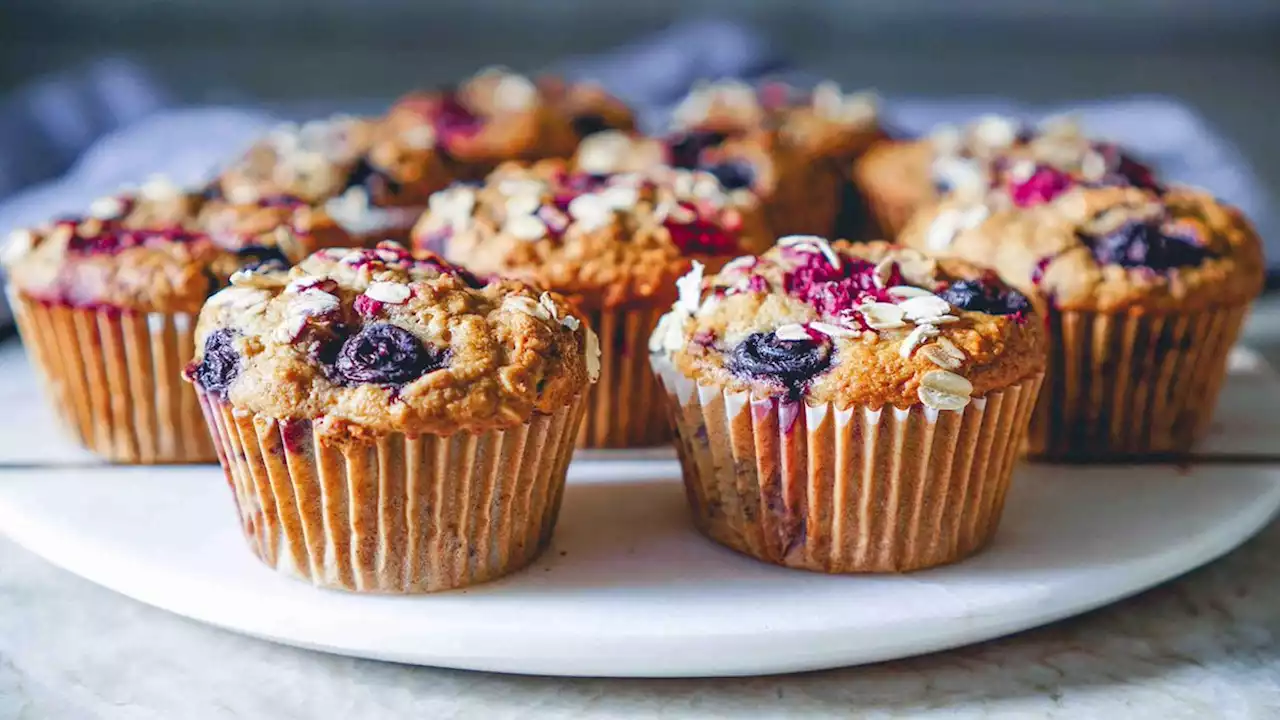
(394, 513)
(115, 379)
(806, 201)
(846, 491)
(1128, 386)
(624, 409)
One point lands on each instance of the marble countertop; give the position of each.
(1204, 646)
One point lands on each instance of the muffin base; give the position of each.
(624, 408)
(115, 379)
(846, 491)
(394, 513)
(1127, 386)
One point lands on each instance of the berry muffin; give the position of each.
(899, 177)
(1144, 293)
(614, 244)
(106, 305)
(372, 176)
(499, 115)
(792, 194)
(389, 424)
(849, 408)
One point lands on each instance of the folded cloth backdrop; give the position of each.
(112, 124)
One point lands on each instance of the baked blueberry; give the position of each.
(685, 149)
(791, 362)
(733, 174)
(1146, 244)
(979, 296)
(589, 124)
(384, 354)
(220, 363)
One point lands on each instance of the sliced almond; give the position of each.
(940, 400)
(914, 339)
(526, 305)
(945, 381)
(923, 306)
(791, 332)
(689, 287)
(907, 291)
(937, 319)
(834, 331)
(951, 348)
(882, 316)
(526, 227)
(883, 272)
(936, 355)
(391, 293)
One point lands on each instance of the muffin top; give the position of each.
(161, 249)
(824, 122)
(1103, 248)
(867, 325)
(382, 340)
(608, 240)
(499, 115)
(1002, 157)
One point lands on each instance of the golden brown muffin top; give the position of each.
(1091, 247)
(161, 249)
(499, 115)
(824, 123)
(866, 325)
(382, 340)
(997, 154)
(607, 240)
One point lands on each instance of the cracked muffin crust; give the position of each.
(868, 325)
(375, 341)
(993, 153)
(607, 241)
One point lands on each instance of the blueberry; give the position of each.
(733, 174)
(1144, 244)
(375, 181)
(589, 124)
(978, 296)
(220, 364)
(686, 148)
(790, 362)
(385, 355)
(259, 257)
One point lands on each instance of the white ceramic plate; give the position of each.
(629, 589)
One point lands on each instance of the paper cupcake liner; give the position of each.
(115, 379)
(1123, 386)
(624, 409)
(394, 513)
(846, 491)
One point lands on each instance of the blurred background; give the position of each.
(1222, 58)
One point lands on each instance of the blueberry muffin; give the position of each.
(498, 115)
(849, 408)
(372, 176)
(1144, 292)
(613, 244)
(106, 305)
(386, 422)
(898, 178)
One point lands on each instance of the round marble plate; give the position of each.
(627, 588)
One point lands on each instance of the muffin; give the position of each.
(372, 176)
(386, 422)
(1144, 292)
(897, 178)
(106, 305)
(848, 408)
(613, 244)
(792, 194)
(498, 115)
